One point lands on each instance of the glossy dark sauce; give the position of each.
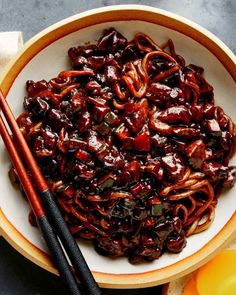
(132, 145)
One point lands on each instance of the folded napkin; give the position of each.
(10, 43)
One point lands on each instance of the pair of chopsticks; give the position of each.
(48, 215)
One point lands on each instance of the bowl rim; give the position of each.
(75, 23)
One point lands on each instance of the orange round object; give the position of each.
(218, 276)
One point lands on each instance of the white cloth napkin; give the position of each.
(10, 44)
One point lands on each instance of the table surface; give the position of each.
(17, 274)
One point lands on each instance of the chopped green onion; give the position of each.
(106, 181)
(110, 118)
(103, 128)
(157, 209)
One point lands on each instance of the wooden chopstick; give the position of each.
(50, 237)
(52, 211)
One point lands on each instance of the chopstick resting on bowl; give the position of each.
(46, 210)
(42, 220)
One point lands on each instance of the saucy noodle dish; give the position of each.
(132, 145)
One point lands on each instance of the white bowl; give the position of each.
(43, 57)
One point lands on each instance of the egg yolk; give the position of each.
(227, 287)
(217, 277)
